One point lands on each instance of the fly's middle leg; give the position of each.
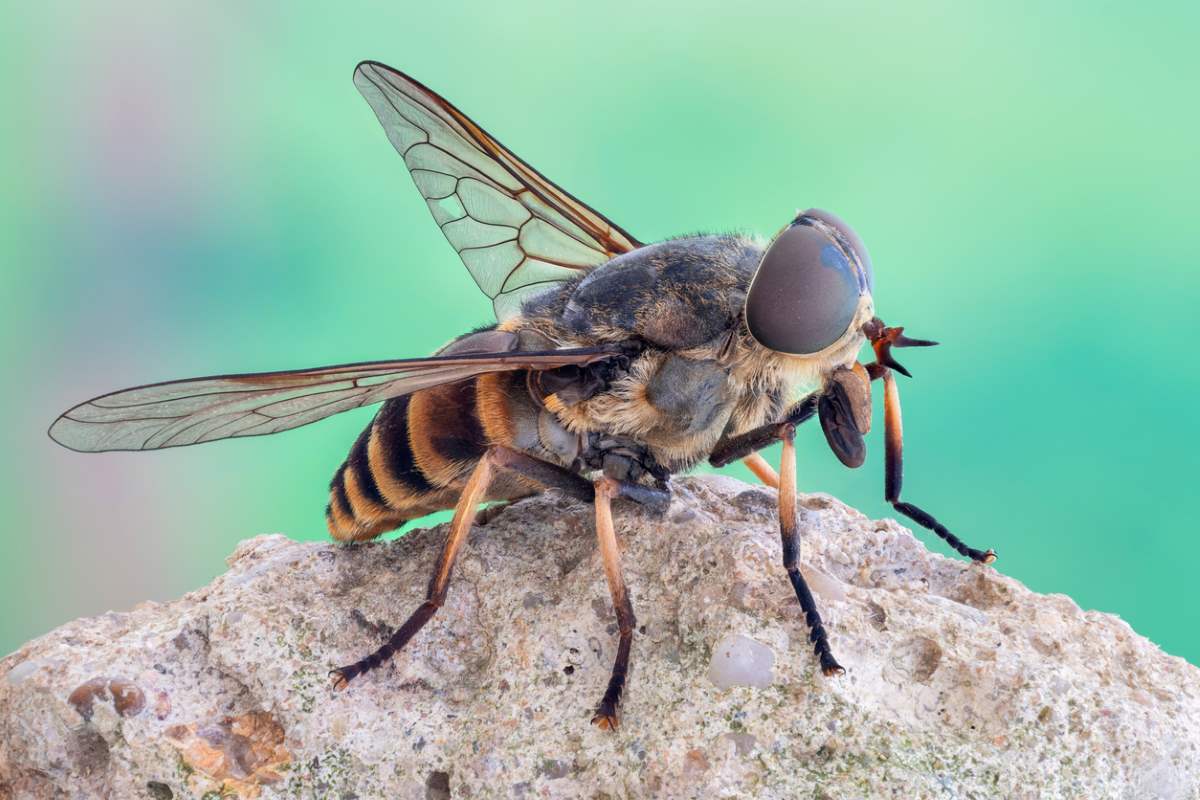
(622, 459)
(606, 490)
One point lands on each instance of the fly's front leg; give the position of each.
(894, 471)
(747, 445)
(789, 535)
(883, 339)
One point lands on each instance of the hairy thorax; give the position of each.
(699, 375)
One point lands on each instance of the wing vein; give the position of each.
(455, 147)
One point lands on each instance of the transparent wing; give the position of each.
(515, 231)
(199, 410)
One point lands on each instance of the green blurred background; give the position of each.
(195, 191)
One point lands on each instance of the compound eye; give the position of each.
(806, 290)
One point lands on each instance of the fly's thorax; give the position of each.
(702, 374)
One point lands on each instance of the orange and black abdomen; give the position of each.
(411, 460)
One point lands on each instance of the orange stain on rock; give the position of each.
(241, 753)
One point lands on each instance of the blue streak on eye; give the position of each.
(832, 258)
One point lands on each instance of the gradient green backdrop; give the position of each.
(195, 190)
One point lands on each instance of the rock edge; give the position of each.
(961, 682)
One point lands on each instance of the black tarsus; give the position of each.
(626, 622)
(927, 520)
(394, 644)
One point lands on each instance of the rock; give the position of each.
(961, 682)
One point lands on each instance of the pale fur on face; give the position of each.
(805, 374)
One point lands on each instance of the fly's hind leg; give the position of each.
(540, 473)
(606, 490)
(460, 526)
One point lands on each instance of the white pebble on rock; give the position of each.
(738, 660)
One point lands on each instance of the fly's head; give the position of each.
(811, 300)
(811, 293)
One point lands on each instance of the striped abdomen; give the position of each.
(410, 461)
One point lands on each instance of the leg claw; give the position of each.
(606, 716)
(338, 680)
(605, 721)
(833, 670)
(988, 557)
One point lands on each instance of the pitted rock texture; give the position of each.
(961, 682)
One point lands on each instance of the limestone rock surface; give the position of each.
(961, 683)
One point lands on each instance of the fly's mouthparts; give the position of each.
(883, 339)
